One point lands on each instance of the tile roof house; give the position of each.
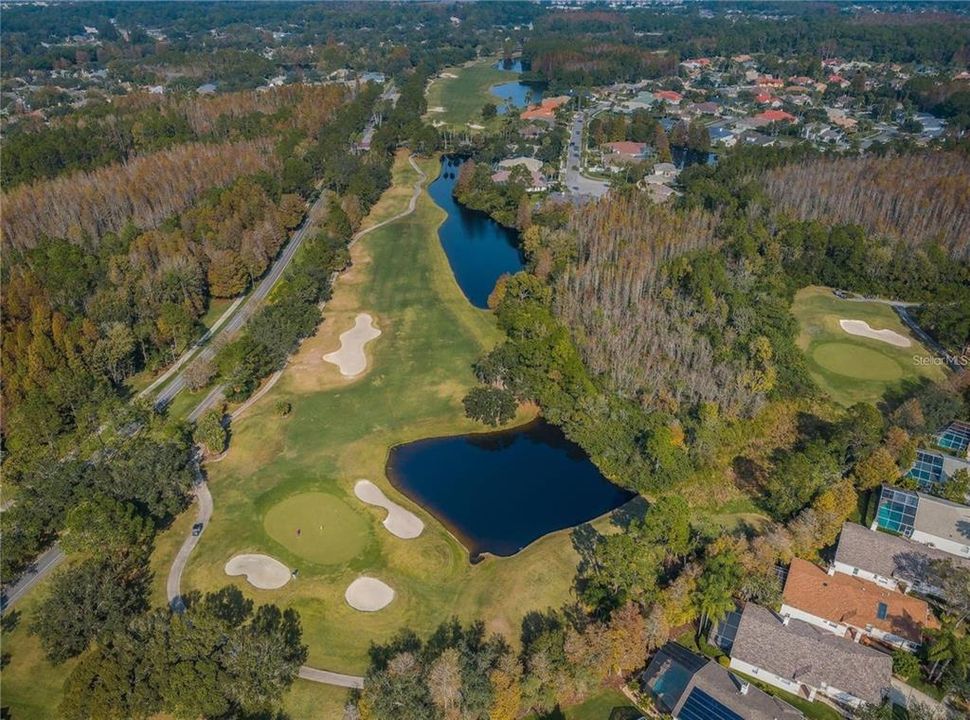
(689, 686)
(890, 561)
(770, 116)
(669, 96)
(925, 519)
(805, 660)
(854, 608)
(545, 110)
(625, 151)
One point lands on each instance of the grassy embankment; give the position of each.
(850, 368)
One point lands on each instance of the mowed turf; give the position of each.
(341, 430)
(851, 368)
(464, 95)
(318, 527)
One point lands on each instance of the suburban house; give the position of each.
(545, 110)
(805, 660)
(669, 96)
(853, 608)
(685, 685)
(625, 151)
(925, 519)
(890, 561)
(769, 116)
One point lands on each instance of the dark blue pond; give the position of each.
(498, 492)
(478, 248)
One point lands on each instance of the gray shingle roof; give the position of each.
(942, 518)
(674, 673)
(804, 653)
(891, 556)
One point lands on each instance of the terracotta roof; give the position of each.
(807, 654)
(625, 147)
(546, 110)
(669, 96)
(775, 115)
(851, 601)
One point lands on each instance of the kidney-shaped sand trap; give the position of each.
(403, 523)
(368, 594)
(261, 571)
(350, 358)
(862, 328)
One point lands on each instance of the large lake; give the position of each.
(499, 491)
(478, 248)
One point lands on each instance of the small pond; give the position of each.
(500, 491)
(478, 248)
(519, 94)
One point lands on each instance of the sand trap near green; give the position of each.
(261, 571)
(368, 594)
(318, 527)
(855, 361)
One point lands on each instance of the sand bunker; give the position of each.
(450, 76)
(473, 126)
(368, 594)
(400, 522)
(436, 109)
(862, 328)
(350, 358)
(261, 571)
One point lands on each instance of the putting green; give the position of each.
(855, 361)
(317, 526)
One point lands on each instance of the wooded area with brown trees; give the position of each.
(916, 198)
(85, 205)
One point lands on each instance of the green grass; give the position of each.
(340, 431)
(605, 705)
(463, 97)
(31, 686)
(314, 700)
(850, 368)
(318, 527)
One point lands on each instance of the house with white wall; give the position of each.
(807, 661)
(853, 608)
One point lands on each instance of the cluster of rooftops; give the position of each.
(836, 627)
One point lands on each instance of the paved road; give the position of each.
(905, 696)
(577, 183)
(45, 562)
(173, 585)
(252, 301)
(204, 513)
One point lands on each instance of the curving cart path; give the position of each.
(205, 505)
